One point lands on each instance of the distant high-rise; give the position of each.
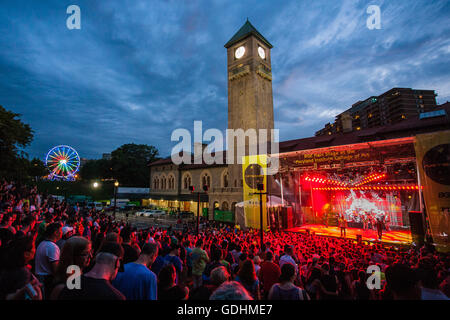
(392, 106)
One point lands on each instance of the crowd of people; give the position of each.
(50, 250)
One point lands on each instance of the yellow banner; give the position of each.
(433, 161)
(254, 172)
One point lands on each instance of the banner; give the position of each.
(254, 172)
(433, 162)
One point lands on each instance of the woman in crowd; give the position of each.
(77, 251)
(247, 277)
(286, 289)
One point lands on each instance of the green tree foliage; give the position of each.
(37, 168)
(96, 169)
(130, 164)
(14, 135)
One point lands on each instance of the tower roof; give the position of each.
(246, 30)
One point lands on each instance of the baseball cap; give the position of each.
(66, 229)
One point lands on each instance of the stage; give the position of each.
(389, 237)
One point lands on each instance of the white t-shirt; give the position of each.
(46, 253)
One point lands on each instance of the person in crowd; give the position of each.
(286, 289)
(96, 284)
(131, 252)
(402, 282)
(247, 277)
(231, 290)
(77, 251)
(66, 234)
(199, 260)
(138, 282)
(269, 273)
(167, 287)
(218, 276)
(16, 280)
(173, 258)
(429, 280)
(47, 256)
(216, 255)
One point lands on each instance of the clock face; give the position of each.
(239, 52)
(261, 53)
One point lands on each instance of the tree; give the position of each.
(37, 168)
(129, 164)
(14, 135)
(96, 169)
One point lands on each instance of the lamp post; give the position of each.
(205, 189)
(260, 187)
(116, 185)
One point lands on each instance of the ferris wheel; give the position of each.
(63, 163)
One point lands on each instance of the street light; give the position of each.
(116, 185)
(95, 184)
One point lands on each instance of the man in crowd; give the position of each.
(47, 256)
(96, 284)
(138, 282)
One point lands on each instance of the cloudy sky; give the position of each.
(139, 69)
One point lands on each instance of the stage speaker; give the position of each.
(287, 218)
(417, 229)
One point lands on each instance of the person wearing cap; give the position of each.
(96, 284)
(66, 234)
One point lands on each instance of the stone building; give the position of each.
(250, 106)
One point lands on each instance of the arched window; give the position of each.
(187, 181)
(225, 206)
(206, 180)
(225, 179)
(171, 182)
(155, 183)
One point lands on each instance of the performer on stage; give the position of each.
(380, 224)
(343, 225)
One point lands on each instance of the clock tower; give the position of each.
(250, 99)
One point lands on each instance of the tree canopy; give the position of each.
(128, 165)
(14, 135)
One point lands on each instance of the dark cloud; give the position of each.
(139, 69)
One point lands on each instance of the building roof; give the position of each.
(246, 30)
(406, 128)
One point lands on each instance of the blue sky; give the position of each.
(139, 69)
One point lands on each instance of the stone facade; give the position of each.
(250, 106)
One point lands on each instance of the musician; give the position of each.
(343, 225)
(380, 224)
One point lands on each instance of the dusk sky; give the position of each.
(139, 69)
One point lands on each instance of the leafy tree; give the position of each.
(37, 168)
(14, 135)
(129, 164)
(96, 169)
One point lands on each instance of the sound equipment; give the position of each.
(417, 229)
(287, 218)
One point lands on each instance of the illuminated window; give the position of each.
(370, 115)
(358, 128)
(403, 116)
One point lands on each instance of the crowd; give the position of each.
(50, 250)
